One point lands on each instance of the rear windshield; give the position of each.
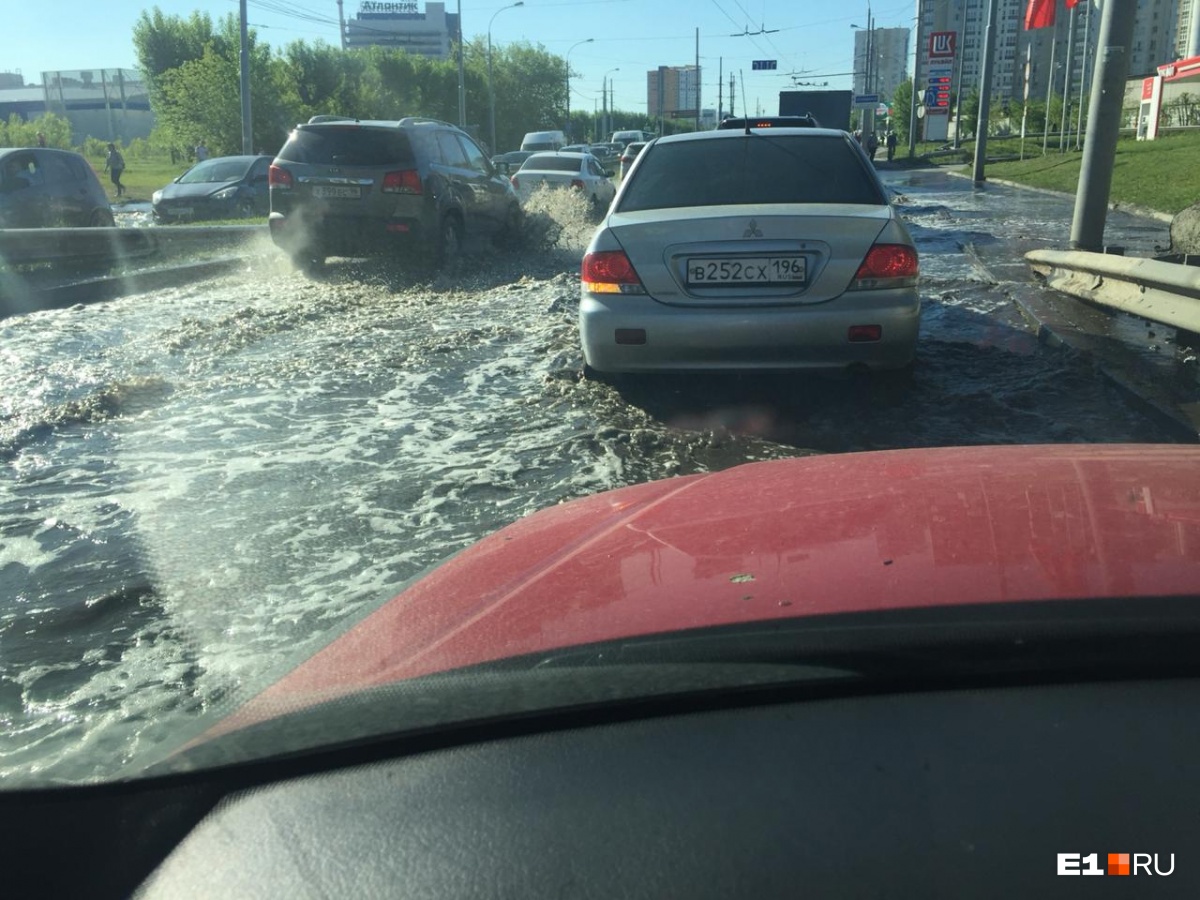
(542, 145)
(755, 168)
(553, 163)
(348, 146)
(215, 171)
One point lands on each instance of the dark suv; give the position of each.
(341, 187)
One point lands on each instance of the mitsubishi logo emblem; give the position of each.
(752, 231)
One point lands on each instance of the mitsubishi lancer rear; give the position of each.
(754, 249)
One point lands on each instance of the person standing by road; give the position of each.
(201, 152)
(114, 164)
(872, 143)
(41, 138)
(891, 144)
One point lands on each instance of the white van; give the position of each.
(625, 138)
(539, 141)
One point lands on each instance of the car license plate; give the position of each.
(336, 191)
(779, 270)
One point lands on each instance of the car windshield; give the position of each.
(755, 169)
(216, 170)
(392, 437)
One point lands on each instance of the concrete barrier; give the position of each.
(1162, 292)
(26, 246)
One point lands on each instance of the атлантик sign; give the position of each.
(375, 6)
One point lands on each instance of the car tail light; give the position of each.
(577, 183)
(279, 177)
(405, 181)
(610, 272)
(887, 266)
(513, 181)
(864, 334)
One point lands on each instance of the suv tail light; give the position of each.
(577, 183)
(514, 183)
(405, 181)
(610, 272)
(887, 266)
(279, 177)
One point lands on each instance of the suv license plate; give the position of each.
(779, 270)
(336, 191)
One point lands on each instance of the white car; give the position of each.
(580, 171)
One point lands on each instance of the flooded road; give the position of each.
(200, 481)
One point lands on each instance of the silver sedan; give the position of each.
(750, 250)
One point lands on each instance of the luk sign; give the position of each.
(941, 43)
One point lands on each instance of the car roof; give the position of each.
(723, 134)
(570, 154)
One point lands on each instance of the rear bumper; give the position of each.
(763, 338)
(344, 235)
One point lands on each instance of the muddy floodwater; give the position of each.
(200, 481)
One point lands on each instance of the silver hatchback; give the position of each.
(750, 250)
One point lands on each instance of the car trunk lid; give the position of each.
(749, 255)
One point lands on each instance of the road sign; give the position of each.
(763, 64)
(866, 100)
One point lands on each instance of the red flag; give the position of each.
(1071, 4)
(1039, 14)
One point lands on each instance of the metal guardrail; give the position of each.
(1164, 292)
(26, 246)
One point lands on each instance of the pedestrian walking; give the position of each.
(114, 164)
(201, 152)
(41, 139)
(872, 145)
(891, 145)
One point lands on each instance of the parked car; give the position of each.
(577, 148)
(629, 154)
(625, 138)
(727, 249)
(44, 188)
(376, 187)
(221, 187)
(507, 163)
(581, 171)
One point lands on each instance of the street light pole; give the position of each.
(462, 80)
(491, 89)
(607, 106)
(573, 46)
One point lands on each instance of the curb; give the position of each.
(1055, 329)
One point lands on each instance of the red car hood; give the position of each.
(800, 537)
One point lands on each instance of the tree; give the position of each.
(902, 110)
(163, 42)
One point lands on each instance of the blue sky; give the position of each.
(633, 36)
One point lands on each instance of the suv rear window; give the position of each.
(552, 164)
(755, 168)
(348, 146)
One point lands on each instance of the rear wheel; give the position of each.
(308, 262)
(101, 218)
(510, 231)
(448, 242)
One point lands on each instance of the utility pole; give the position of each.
(342, 21)
(720, 81)
(1062, 126)
(1050, 87)
(985, 94)
(462, 79)
(697, 79)
(247, 133)
(1090, 11)
(912, 112)
(1104, 126)
(958, 79)
(731, 93)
